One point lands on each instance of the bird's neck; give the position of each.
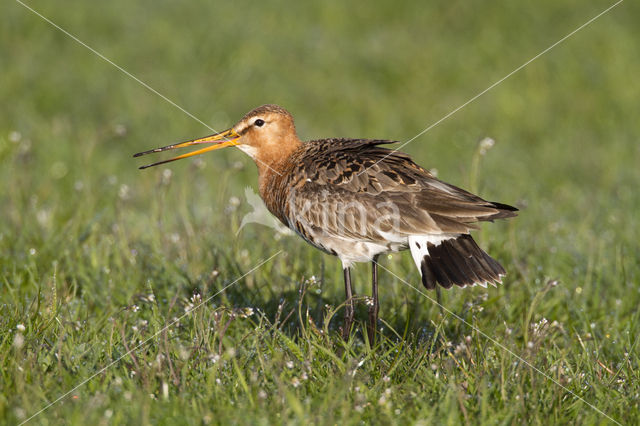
(274, 173)
(275, 163)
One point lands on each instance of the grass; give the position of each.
(97, 258)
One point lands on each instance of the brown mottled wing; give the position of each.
(357, 189)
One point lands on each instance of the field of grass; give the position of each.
(104, 268)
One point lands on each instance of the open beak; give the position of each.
(223, 139)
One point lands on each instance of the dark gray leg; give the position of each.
(349, 309)
(374, 307)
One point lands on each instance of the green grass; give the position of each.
(97, 257)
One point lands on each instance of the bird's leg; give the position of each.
(348, 309)
(374, 307)
(439, 299)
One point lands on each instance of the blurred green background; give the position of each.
(84, 234)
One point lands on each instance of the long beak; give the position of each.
(223, 139)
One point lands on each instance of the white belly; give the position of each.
(351, 251)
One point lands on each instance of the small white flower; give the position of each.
(246, 312)
(15, 136)
(461, 348)
(120, 130)
(166, 177)
(20, 413)
(124, 192)
(199, 163)
(485, 145)
(43, 217)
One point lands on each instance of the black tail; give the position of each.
(504, 211)
(461, 262)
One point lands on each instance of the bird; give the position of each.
(357, 200)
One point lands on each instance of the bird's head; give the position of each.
(266, 134)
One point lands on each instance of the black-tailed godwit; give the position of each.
(356, 200)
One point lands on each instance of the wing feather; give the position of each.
(357, 189)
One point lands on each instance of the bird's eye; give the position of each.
(259, 122)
